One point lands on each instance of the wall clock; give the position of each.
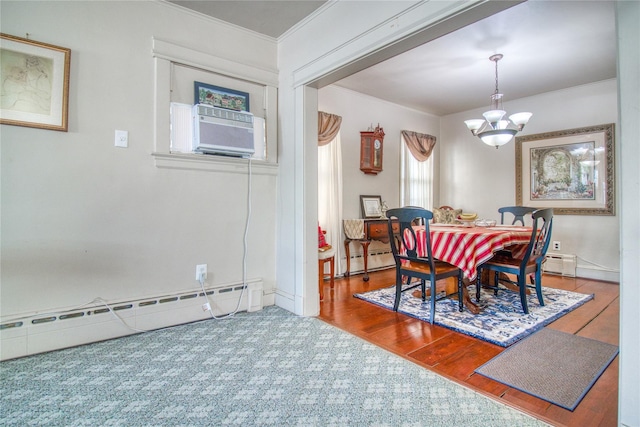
(371, 146)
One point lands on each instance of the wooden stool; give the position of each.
(323, 257)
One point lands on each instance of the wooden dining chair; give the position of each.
(409, 264)
(518, 213)
(528, 264)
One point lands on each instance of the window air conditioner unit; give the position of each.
(221, 131)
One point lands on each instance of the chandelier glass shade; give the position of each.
(494, 129)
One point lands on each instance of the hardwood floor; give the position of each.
(456, 356)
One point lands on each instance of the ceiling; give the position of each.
(547, 46)
(270, 17)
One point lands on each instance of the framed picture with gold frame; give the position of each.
(571, 171)
(35, 83)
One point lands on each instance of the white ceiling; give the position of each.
(547, 46)
(270, 17)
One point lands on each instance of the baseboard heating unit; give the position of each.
(375, 260)
(95, 321)
(564, 264)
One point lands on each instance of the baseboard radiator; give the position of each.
(96, 322)
(564, 264)
(375, 260)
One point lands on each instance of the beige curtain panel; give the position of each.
(328, 127)
(419, 144)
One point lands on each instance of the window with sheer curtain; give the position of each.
(416, 176)
(330, 181)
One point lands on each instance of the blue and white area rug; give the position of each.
(501, 320)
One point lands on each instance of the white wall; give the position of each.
(82, 219)
(480, 178)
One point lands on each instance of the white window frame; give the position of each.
(164, 54)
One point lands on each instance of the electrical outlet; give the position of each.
(122, 138)
(201, 271)
(556, 245)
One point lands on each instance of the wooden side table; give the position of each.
(374, 229)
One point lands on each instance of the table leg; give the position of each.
(365, 255)
(348, 254)
(488, 278)
(450, 286)
(466, 299)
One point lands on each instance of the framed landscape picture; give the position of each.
(35, 83)
(221, 97)
(571, 171)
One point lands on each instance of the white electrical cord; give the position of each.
(120, 319)
(602, 267)
(97, 300)
(51, 313)
(244, 259)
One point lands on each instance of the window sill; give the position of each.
(210, 163)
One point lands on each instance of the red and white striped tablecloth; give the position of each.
(468, 247)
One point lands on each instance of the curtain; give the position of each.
(420, 144)
(328, 127)
(330, 182)
(416, 169)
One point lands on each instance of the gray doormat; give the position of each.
(552, 365)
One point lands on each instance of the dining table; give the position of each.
(467, 247)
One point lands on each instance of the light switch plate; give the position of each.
(122, 138)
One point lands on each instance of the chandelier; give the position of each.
(494, 130)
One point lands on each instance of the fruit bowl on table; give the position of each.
(467, 219)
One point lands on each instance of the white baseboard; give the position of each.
(37, 334)
(598, 274)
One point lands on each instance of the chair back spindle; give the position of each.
(518, 213)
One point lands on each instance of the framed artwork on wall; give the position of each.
(221, 97)
(35, 83)
(371, 206)
(571, 171)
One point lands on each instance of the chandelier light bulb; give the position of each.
(494, 116)
(520, 119)
(474, 124)
(502, 124)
